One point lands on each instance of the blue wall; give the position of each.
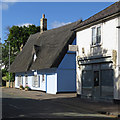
(66, 73)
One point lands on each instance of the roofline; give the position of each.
(96, 22)
(118, 27)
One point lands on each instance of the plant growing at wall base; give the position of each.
(27, 88)
(21, 87)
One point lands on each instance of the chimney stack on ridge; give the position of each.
(43, 23)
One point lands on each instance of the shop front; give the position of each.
(97, 78)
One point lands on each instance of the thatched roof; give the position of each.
(49, 46)
(109, 11)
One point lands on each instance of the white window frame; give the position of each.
(26, 80)
(96, 27)
(36, 83)
(43, 77)
(19, 80)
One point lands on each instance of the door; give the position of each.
(96, 87)
(51, 84)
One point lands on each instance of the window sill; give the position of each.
(97, 45)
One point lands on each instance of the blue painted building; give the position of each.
(45, 63)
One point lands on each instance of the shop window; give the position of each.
(107, 83)
(86, 82)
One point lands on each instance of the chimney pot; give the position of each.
(43, 16)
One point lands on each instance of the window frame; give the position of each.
(96, 35)
(43, 77)
(37, 81)
(26, 80)
(19, 80)
(33, 81)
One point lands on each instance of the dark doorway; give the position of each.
(96, 78)
(96, 90)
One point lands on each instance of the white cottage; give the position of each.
(98, 55)
(45, 63)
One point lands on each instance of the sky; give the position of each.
(57, 13)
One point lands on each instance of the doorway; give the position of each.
(96, 86)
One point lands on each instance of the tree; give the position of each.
(17, 36)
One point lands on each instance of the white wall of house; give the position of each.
(16, 80)
(109, 37)
(50, 83)
(110, 40)
(118, 57)
(22, 75)
(41, 84)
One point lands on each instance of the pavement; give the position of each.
(20, 104)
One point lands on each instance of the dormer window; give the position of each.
(34, 57)
(96, 35)
(36, 50)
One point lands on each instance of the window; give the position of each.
(93, 36)
(96, 35)
(26, 80)
(35, 81)
(19, 80)
(43, 78)
(38, 81)
(34, 57)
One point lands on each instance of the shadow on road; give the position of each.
(59, 108)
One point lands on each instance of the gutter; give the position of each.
(96, 22)
(118, 27)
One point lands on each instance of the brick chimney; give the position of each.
(43, 23)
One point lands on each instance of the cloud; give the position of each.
(4, 6)
(25, 24)
(56, 24)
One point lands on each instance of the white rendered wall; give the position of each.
(50, 77)
(29, 77)
(109, 42)
(118, 60)
(16, 78)
(49, 84)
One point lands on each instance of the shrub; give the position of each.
(27, 86)
(21, 86)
